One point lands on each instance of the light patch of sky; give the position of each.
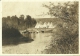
(34, 9)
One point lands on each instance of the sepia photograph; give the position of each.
(44, 27)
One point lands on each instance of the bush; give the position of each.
(65, 40)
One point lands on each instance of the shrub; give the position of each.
(65, 40)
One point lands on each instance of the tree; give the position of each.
(28, 21)
(33, 22)
(66, 11)
(21, 17)
(66, 38)
(21, 21)
(14, 19)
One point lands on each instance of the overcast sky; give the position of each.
(35, 9)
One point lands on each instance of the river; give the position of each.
(41, 42)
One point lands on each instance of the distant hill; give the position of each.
(48, 19)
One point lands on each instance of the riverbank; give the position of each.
(35, 47)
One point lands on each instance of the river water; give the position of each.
(36, 36)
(41, 42)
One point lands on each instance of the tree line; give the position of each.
(12, 25)
(19, 23)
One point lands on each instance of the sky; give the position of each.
(34, 9)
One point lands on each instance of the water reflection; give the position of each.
(38, 35)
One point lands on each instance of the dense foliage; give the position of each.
(65, 35)
(11, 27)
(20, 23)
